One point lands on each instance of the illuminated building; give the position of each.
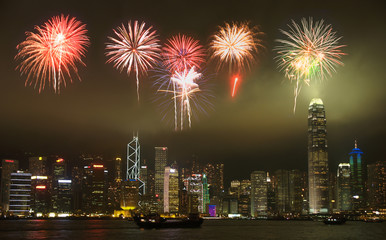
(134, 163)
(377, 185)
(194, 188)
(7, 167)
(38, 166)
(20, 193)
(161, 156)
(118, 169)
(205, 193)
(40, 201)
(61, 187)
(258, 194)
(183, 205)
(215, 175)
(94, 188)
(343, 187)
(130, 196)
(244, 202)
(358, 178)
(318, 177)
(234, 189)
(143, 175)
(170, 200)
(271, 199)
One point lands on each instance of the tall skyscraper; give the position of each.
(377, 185)
(38, 166)
(318, 178)
(20, 193)
(358, 178)
(118, 169)
(171, 201)
(161, 156)
(259, 194)
(215, 175)
(8, 166)
(343, 189)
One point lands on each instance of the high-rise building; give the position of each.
(94, 189)
(40, 202)
(8, 166)
(343, 189)
(38, 166)
(234, 189)
(194, 188)
(377, 185)
(205, 193)
(215, 175)
(259, 194)
(271, 199)
(61, 187)
(20, 193)
(318, 177)
(161, 156)
(171, 201)
(130, 196)
(358, 178)
(282, 191)
(143, 175)
(118, 169)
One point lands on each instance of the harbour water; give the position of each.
(211, 229)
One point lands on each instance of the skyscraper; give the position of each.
(20, 193)
(171, 201)
(161, 156)
(259, 194)
(215, 175)
(38, 166)
(343, 189)
(377, 185)
(7, 167)
(318, 178)
(358, 177)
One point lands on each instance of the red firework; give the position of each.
(51, 54)
(182, 52)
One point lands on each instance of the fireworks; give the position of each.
(236, 45)
(136, 48)
(51, 54)
(186, 92)
(311, 51)
(234, 86)
(182, 52)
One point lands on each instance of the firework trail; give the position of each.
(51, 54)
(310, 51)
(180, 54)
(235, 45)
(189, 91)
(135, 48)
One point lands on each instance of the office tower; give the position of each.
(130, 196)
(295, 191)
(377, 185)
(94, 188)
(20, 193)
(118, 169)
(7, 167)
(343, 189)
(259, 194)
(234, 189)
(161, 156)
(61, 187)
(271, 199)
(215, 175)
(205, 193)
(170, 201)
(358, 178)
(40, 201)
(134, 163)
(150, 182)
(38, 166)
(318, 177)
(183, 205)
(282, 191)
(76, 185)
(194, 188)
(196, 167)
(244, 198)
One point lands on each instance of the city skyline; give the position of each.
(100, 113)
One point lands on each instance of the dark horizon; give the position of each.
(257, 130)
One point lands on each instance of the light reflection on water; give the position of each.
(215, 229)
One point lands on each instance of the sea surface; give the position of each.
(211, 229)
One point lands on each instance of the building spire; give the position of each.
(356, 144)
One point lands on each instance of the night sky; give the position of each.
(255, 131)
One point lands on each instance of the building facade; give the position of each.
(358, 175)
(259, 194)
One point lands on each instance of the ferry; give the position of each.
(156, 221)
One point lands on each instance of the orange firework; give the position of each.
(51, 54)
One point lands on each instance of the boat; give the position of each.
(373, 220)
(335, 220)
(156, 221)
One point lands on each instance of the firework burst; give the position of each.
(310, 51)
(51, 54)
(136, 48)
(182, 52)
(235, 45)
(187, 92)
